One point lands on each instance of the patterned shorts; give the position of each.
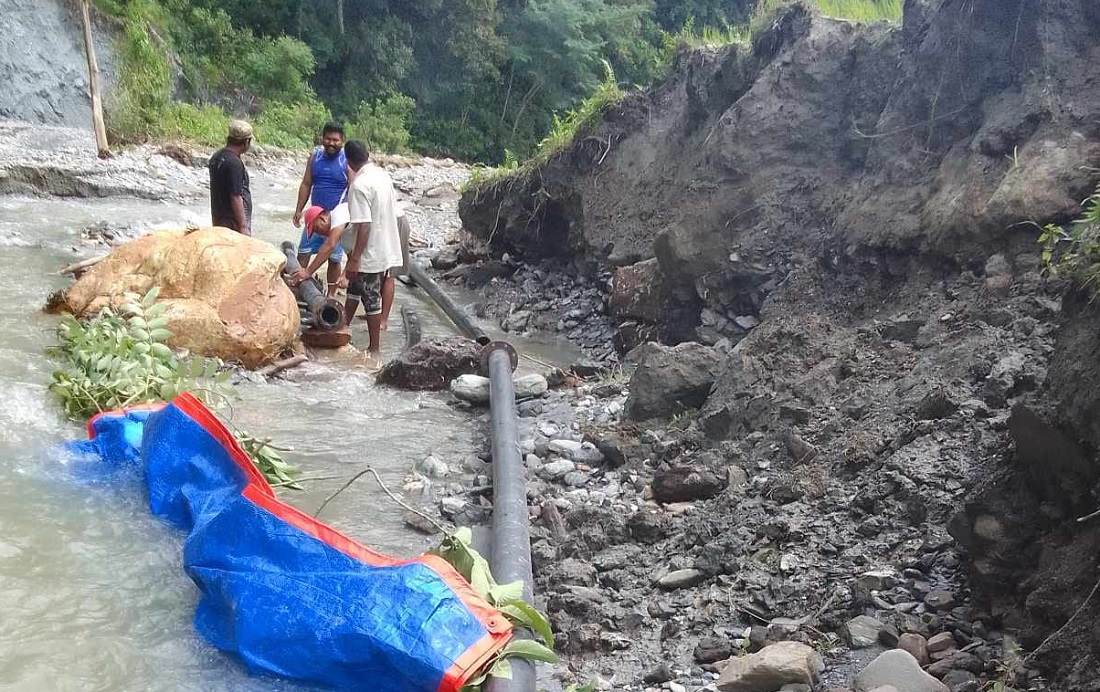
(367, 289)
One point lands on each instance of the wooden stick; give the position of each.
(78, 267)
(284, 364)
(104, 149)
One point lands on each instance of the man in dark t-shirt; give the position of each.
(230, 196)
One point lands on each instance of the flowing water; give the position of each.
(92, 594)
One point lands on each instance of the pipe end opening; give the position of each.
(330, 316)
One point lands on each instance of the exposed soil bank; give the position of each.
(42, 63)
(839, 211)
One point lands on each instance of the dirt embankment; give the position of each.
(843, 212)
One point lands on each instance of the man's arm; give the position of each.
(321, 257)
(304, 188)
(237, 204)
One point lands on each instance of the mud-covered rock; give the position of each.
(224, 293)
(686, 482)
(432, 364)
(636, 292)
(671, 378)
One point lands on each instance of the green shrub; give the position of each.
(199, 124)
(276, 70)
(1073, 251)
(291, 126)
(384, 124)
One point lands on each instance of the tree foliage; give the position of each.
(465, 78)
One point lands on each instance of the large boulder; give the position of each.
(771, 668)
(224, 292)
(432, 364)
(670, 378)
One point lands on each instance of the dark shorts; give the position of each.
(367, 289)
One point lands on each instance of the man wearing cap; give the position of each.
(323, 230)
(323, 184)
(230, 196)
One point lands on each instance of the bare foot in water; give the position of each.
(372, 362)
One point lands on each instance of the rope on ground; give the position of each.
(381, 484)
(1072, 619)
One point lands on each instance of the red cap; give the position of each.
(311, 215)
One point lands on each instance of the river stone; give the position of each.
(712, 650)
(564, 447)
(940, 599)
(897, 668)
(681, 579)
(575, 479)
(670, 378)
(530, 386)
(686, 483)
(471, 388)
(432, 467)
(431, 365)
(771, 668)
(941, 642)
(557, 469)
(916, 645)
(862, 631)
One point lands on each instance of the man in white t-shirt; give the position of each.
(330, 225)
(371, 240)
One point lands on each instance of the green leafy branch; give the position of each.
(456, 549)
(120, 358)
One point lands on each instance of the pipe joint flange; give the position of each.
(488, 349)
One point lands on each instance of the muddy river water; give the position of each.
(92, 595)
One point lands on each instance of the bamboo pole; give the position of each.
(78, 268)
(104, 149)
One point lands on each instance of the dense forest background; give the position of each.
(480, 80)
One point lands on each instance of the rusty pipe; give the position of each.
(326, 312)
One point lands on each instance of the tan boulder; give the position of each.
(224, 291)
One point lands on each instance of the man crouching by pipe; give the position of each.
(370, 238)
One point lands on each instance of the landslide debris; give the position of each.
(903, 429)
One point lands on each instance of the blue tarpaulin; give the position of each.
(288, 594)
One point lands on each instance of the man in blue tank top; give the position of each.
(324, 183)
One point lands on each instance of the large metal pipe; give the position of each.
(327, 313)
(444, 301)
(511, 542)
